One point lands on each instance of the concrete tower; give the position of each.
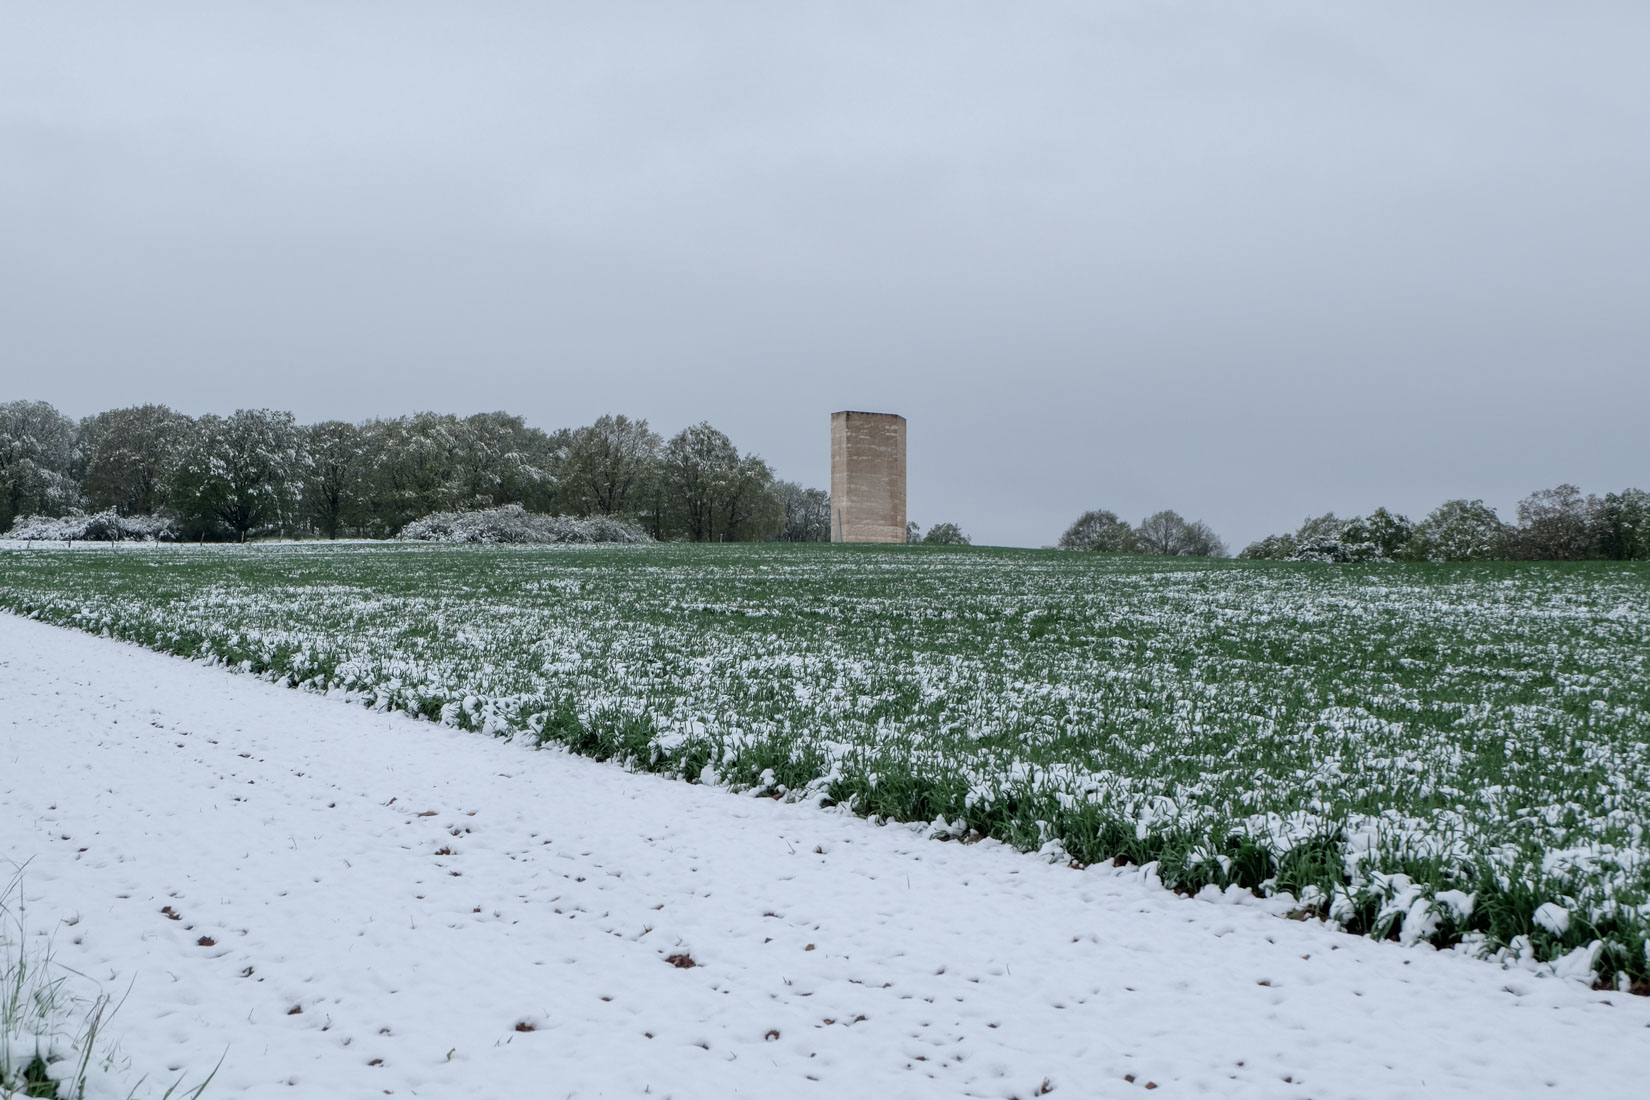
(867, 477)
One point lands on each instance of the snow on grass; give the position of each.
(1439, 754)
(48, 1033)
(339, 902)
(54, 1021)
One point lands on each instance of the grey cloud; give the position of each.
(1245, 261)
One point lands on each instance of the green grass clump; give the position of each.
(52, 1028)
(1377, 741)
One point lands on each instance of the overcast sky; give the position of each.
(1249, 261)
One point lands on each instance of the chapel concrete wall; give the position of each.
(867, 477)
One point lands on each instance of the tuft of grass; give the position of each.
(52, 1034)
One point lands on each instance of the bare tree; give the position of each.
(1160, 532)
(1200, 541)
(1167, 533)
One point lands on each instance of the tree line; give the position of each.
(1166, 533)
(1557, 524)
(259, 471)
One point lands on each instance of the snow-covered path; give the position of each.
(371, 905)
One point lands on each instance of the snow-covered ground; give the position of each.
(372, 905)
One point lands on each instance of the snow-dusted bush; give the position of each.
(1339, 550)
(101, 527)
(1271, 548)
(514, 524)
(1379, 536)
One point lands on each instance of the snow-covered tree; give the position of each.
(500, 460)
(412, 464)
(1461, 530)
(37, 460)
(1556, 525)
(242, 473)
(1317, 539)
(335, 479)
(436, 462)
(607, 465)
(1389, 532)
(1326, 526)
(697, 461)
(1101, 531)
(422, 459)
(1327, 539)
(132, 454)
(706, 492)
(747, 506)
(1621, 525)
(1379, 536)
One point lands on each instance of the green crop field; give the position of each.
(1457, 754)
